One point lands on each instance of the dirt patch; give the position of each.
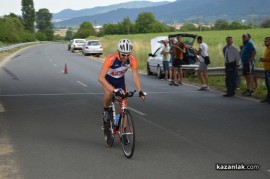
(8, 167)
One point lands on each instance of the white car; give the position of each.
(77, 44)
(92, 47)
(155, 60)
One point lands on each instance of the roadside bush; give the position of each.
(41, 36)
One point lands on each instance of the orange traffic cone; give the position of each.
(65, 70)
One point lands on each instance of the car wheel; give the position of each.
(159, 72)
(148, 70)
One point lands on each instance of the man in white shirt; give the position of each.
(202, 69)
(166, 60)
(231, 60)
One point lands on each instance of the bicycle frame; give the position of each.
(122, 112)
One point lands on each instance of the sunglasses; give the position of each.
(124, 55)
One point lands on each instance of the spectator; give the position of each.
(172, 57)
(202, 69)
(248, 54)
(179, 50)
(266, 66)
(232, 60)
(254, 77)
(166, 59)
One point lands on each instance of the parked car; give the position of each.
(69, 45)
(77, 44)
(92, 47)
(154, 62)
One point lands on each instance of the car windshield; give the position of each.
(93, 43)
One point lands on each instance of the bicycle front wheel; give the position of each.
(127, 134)
(108, 132)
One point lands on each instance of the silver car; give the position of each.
(77, 44)
(92, 47)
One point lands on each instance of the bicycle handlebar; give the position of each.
(128, 94)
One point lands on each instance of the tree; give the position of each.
(188, 27)
(147, 23)
(110, 29)
(144, 21)
(43, 20)
(86, 29)
(221, 24)
(126, 26)
(266, 23)
(28, 15)
(237, 25)
(69, 34)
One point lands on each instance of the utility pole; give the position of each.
(252, 16)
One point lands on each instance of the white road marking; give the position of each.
(136, 111)
(82, 84)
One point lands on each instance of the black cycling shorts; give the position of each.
(177, 62)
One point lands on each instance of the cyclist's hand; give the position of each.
(118, 92)
(142, 95)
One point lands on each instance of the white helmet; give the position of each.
(125, 46)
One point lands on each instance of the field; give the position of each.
(215, 41)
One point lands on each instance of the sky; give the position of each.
(54, 6)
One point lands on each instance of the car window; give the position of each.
(186, 40)
(79, 41)
(94, 43)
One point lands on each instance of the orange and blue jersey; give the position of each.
(117, 69)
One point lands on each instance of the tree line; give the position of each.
(145, 23)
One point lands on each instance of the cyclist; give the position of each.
(112, 77)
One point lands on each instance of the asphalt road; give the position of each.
(50, 125)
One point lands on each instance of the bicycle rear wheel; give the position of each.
(127, 134)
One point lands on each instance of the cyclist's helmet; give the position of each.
(125, 46)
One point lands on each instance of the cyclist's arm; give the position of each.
(103, 80)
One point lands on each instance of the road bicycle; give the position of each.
(121, 124)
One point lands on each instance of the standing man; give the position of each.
(202, 69)
(248, 54)
(166, 60)
(232, 60)
(266, 66)
(179, 50)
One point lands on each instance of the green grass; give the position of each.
(214, 39)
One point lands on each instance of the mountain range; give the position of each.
(69, 13)
(168, 12)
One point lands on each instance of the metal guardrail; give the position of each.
(220, 71)
(6, 48)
